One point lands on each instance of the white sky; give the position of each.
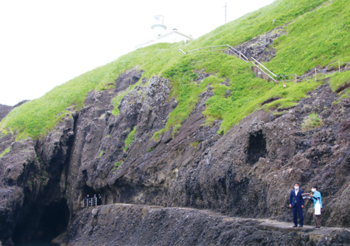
(46, 43)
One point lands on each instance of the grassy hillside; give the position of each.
(315, 39)
(304, 47)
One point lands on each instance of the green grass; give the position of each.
(346, 94)
(5, 151)
(339, 80)
(315, 38)
(101, 153)
(37, 117)
(247, 91)
(150, 149)
(311, 122)
(194, 145)
(256, 23)
(117, 165)
(116, 101)
(129, 139)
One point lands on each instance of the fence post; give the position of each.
(339, 66)
(295, 78)
(315, 74)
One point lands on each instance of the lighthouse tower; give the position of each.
(158, 25)
(160, 36)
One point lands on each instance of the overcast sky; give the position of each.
(46, 43)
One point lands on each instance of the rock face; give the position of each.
(247, 172)
(4, 110)
(145, 225)
(260, 47)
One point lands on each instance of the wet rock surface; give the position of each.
(247, 172)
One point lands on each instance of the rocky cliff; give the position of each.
(4, 110)
(247, 172)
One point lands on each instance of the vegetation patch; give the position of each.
(150, 149)
(116, 101)
(37, 117)
(194, 145)
(5, 151)
(316, 38)
(340, 81)
(247, 91)
(269, 100)
(311, 122)
(101, 153)
(117, 165)
(129, 139)
(346, 94)
(3, 132)
(277, 14)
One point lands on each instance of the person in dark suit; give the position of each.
(296, 202)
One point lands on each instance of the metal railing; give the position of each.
(262, 68)
(240, 55)
(89, 202)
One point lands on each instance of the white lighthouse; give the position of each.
(160, 36)
(158, 26)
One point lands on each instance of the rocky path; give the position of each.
(264, 223)
(130, 224)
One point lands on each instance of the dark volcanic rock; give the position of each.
(248, 172)
(150, 225)
(20, 103)
(260, 47)
(4, 110)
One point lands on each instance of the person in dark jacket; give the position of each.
(99, 199)
(296, 202)
(87, 200)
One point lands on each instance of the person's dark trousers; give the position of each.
(317, 219)
(298, 210)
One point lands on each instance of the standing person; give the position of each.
(296, 202)
(87, 200)
(99, 199)
(317, 198)
(95, 200)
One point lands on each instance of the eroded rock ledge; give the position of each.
(125, 224)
